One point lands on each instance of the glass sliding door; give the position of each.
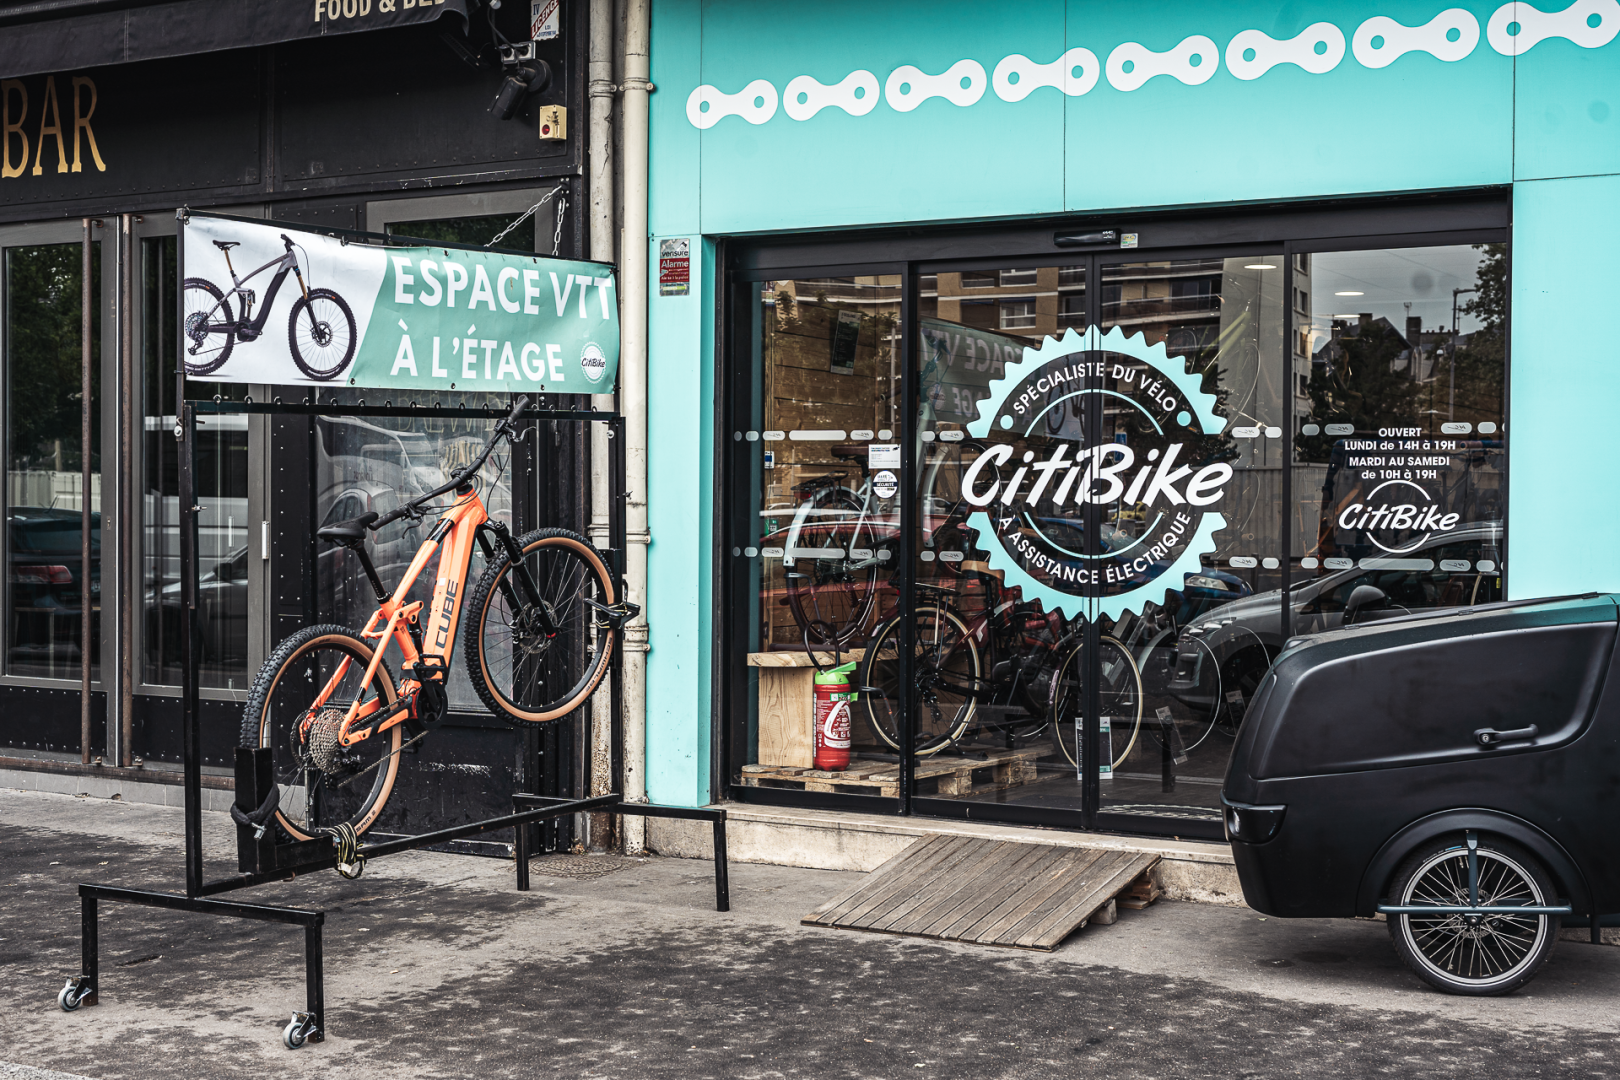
(1218, 321)
(44, 635)
(816, 542)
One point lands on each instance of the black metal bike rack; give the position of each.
(260, 859)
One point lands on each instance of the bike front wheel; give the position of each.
(945, 669)
(1119, 697)
(321, 334)
(519, 667)
(210, 328)
(322, 784)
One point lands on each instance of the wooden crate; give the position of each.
(787, 736)
(940, 776)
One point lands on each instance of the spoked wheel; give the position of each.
(1474, 954)
(1119, 697)
(518, 666)
(832, 598)
(210, 327)
(321, 333)
(945, 668)
(295, 707)
(1191, 726)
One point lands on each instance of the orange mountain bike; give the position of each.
(538, 637)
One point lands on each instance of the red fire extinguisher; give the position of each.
(834, 699)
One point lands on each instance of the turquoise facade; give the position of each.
(1420, 98)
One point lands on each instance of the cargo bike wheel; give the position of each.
(1478, 955)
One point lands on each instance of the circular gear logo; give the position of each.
(1104, 420)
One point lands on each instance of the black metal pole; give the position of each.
(89, 947)
(87, 299)
(520, 852)
(910, 436)
(411, 843)
(722, 884)
(315, 978)
(190, 748)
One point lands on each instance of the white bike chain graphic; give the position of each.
(1452, 35)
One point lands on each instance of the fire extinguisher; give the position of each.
(834, 698)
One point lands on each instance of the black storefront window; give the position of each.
(1024, 506)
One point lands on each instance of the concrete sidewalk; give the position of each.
(437, 968)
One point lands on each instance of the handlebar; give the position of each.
(285, 239)
(462, 475)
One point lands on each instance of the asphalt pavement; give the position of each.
(437, 967)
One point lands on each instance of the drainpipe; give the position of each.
(633, 401)
(599, 831)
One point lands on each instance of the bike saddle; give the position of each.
(226, 245)
(347, 532)
(848, 451)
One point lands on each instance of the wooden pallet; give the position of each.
(988, 892)
(1140, 893)
(942, 777)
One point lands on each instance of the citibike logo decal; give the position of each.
(1393, 512)
(1155, 471)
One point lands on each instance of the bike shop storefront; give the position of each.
(97, 158)
(1090, 492)
(1063, 372)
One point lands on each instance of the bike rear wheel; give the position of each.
(946, 670)
(832, 599)
(322, 784)
(208, 312)
(321, 334)
(1119, 697)
(517, 668)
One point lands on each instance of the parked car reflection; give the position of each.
(222, 602)
(1221, 657)
(45, 560)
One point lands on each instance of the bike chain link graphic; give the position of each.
(1193, 398)
(1074, 73)
(856, 94)
(1317, 49)
(961, 84)
(1143, 63)
(1452, 35)
(1380, 41)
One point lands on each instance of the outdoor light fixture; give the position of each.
(523, 74)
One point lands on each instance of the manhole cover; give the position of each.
(580, 866)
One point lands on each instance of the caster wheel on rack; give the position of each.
(299, 1030)
(71, 996)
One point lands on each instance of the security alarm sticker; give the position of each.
(1158, 469)
(884, 484)
(674, 267)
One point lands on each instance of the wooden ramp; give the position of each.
(989, 892)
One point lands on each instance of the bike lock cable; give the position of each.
(346, 843)
(259, 820)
